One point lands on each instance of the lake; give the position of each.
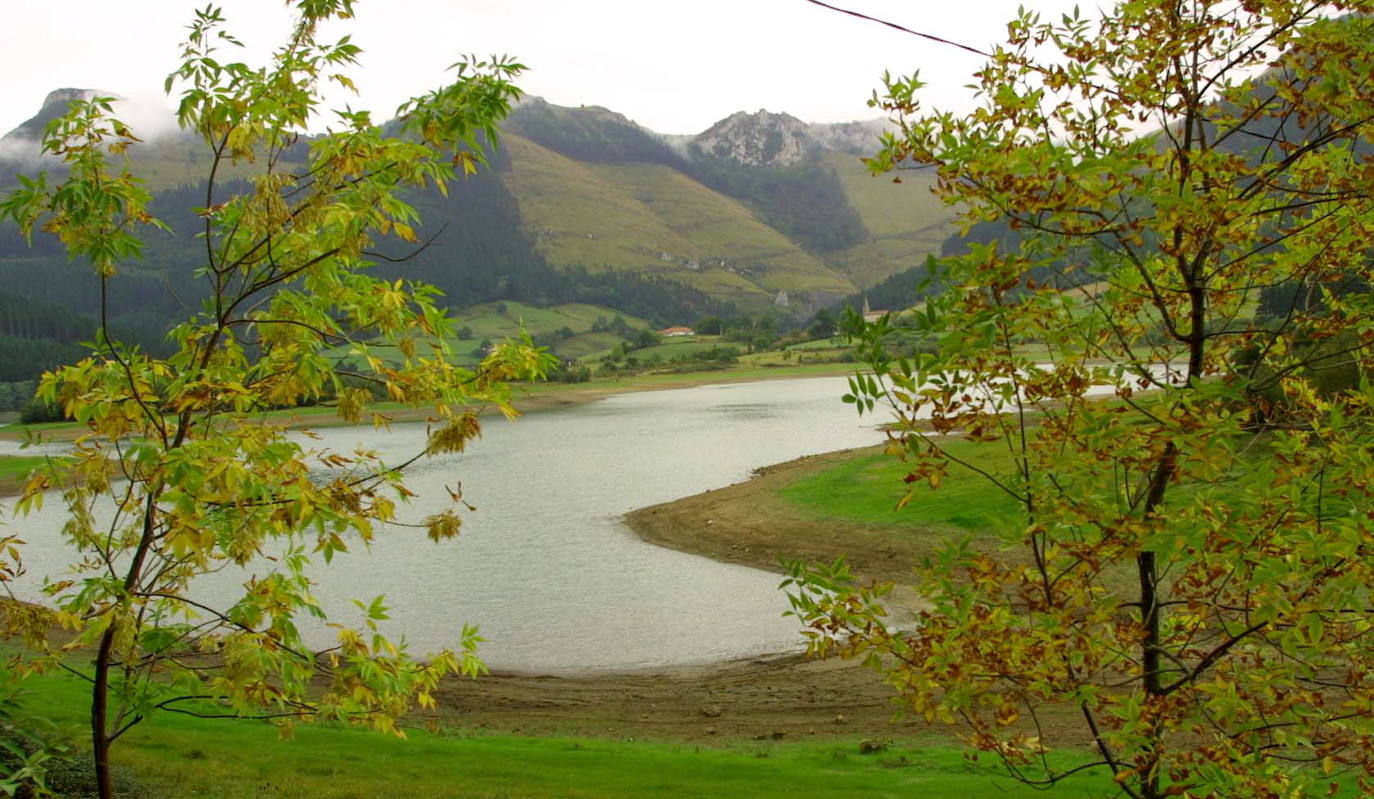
(544, 566)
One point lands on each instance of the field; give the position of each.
(177, 756)
(866, 489)
(494, 322)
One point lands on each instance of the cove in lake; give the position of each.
(544, 566)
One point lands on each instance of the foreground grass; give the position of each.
(179, 756)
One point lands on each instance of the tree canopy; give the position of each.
(1187, 576)
(178, 472)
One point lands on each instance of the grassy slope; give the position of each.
(672, 348)
(489, 324)
(720, 227)
(185, 757)
(576, 217)
(906, 220)
(486, 322)
(585, 344)
(653, 219)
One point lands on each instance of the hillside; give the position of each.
(760, 214)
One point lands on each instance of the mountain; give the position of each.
(756, 205)
(760, 213)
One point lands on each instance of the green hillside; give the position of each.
(650, 218)
(487, 321)
(905, 220)
(724, 231)
(494, 321)
(578, 205)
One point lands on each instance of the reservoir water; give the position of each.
(544, 566)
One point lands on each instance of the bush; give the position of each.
(38, 411)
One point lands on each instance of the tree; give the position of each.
(822, 325)
(178, 473)
(1187, 571)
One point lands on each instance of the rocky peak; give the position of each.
(64, 97)
(758, 139)
(54, 105)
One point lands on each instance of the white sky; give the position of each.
(672, 67)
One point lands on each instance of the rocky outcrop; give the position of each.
(768, 139)
(759, 139)
(54, 105)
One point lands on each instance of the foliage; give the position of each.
(177, 475)
(29, 743)
(1195, 571)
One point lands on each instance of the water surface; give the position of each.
(544, 565)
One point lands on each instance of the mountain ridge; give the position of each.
(584, 204)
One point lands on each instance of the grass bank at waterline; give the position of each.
(821, 507)
(174, 756)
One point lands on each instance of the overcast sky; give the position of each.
(672, 67)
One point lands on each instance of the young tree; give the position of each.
(178, 474)
(1189, 568)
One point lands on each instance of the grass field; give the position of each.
(178, 756)
(687, 345)
(867, 488)
(488, 322)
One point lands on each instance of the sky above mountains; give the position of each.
(672, 67)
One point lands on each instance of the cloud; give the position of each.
(149, 116)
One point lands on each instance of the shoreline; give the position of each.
(536, 398)
(769, 695)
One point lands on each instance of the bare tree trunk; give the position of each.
(100, 693)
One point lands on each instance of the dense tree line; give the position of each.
(16, 394)
(24, 358)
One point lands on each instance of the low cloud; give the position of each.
(150, 116)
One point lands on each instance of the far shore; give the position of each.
(529, 398)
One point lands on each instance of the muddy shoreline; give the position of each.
(769, 697)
